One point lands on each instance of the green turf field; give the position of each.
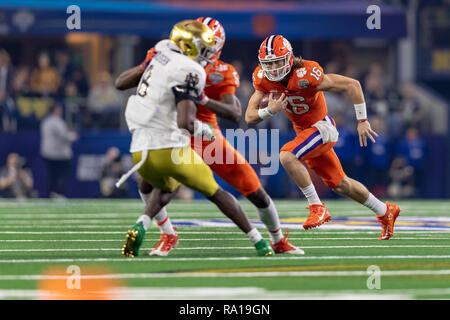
(214, 260)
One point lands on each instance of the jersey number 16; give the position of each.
(295, 106)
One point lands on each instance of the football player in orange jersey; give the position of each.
(219, 98)
(301, 84)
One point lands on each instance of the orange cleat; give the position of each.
(318, 215)
(388, 220)
(284, 246)
(166, 243)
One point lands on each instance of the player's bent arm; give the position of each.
(186, 111)
(229, 108)
(251, 114)
(129, 78)
(337, 83)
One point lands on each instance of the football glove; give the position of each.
(150, 54)
(204, 130)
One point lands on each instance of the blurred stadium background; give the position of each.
(404, 69)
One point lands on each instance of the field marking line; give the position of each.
(225, 248)
(211, 239)
(205, 293)
(314, 232)
(198, 274)
(146, 258)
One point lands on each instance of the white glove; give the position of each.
(203, 130)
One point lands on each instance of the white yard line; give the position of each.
(213, 239)
(225, 248)
(222, 293)
(146, 258)
(205, 231)
(228, 274)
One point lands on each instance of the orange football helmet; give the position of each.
(276, 57)
(219, 35)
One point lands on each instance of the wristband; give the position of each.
(360, 110)
(265, 113)
(204, 100)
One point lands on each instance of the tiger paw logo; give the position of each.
(301, 72)
(260, 74)
(287, 44)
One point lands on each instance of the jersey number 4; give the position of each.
(143, 87)
(296, 106)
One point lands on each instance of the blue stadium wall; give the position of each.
(89, 149)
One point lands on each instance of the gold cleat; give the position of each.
(133, 242)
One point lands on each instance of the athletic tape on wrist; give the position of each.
(361, 111)
(265, 113)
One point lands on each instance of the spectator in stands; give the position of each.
(412, 109)
(395, 123)
(74, 105)
(376, 96)
(56, 150)
(21, 81)
(104, 103)
(79, 78)
(111, 173)
(16, 181)
(44, 79)
(7, 106)
(378, 161)
(402, 179)
(412, 149)
(64, 66)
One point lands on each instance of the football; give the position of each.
(265, 100)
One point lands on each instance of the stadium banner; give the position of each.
(242, 20)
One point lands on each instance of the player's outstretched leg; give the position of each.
(386, 213)
(169, 236)
(268, 214)
(231, 208)
(135, 236)
(318, 213)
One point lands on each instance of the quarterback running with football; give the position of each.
(159, 115)
(218, 99)
(300, 84)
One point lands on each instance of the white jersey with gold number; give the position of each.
(151, 113)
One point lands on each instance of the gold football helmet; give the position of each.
(195, 40)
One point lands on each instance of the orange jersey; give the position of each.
(221, 78)
(306, 105)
